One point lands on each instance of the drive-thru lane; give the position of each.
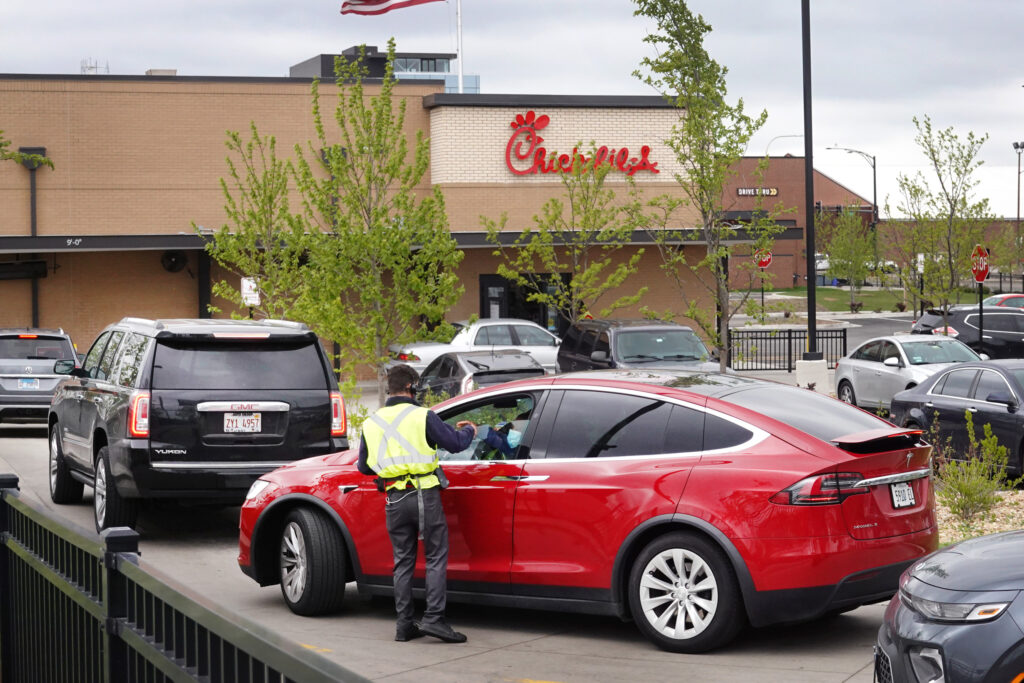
(199, 547)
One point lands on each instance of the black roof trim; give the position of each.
(576, 101)
(199, 79)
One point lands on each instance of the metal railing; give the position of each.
(779, 349)
(77, 608)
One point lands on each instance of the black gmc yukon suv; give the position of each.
(189, 410)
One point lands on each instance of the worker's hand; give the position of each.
(466, 423)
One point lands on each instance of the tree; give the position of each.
(382, 261)
(709, 139)
(848, 244)
(580, 238)
(947, 222)
(7, 154)
(264, 240)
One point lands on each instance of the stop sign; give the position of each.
(764, 258)
(979, 263)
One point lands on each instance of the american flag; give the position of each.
(378, 6)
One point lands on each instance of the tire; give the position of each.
(846, 394)
(110, 509)
(713, 615)
(64, 488)
(311, 562)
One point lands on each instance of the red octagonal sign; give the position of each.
(979, 263)
(764, 258)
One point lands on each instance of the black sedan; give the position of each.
(990, 390)
(957, 615)
(459, 372)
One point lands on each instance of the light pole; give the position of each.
(870, 158)
(1017, 147)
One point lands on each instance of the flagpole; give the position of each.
(458, 28)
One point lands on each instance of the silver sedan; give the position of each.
(485, 334)
(879, 368)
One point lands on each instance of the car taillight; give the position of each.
(407, 356)
(824, 489)
(338, 422)
(138, 415)
(947, 331)
(467, 384)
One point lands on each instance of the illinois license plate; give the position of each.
(902, 495)
(242, 422)
(28, 383)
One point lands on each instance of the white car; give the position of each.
(485, 334)
(880, 368)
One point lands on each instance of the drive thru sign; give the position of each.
(979, 263)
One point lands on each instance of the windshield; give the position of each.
(938, 350)
(659, 345)
(36, 347)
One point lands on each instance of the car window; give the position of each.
(237, 365)
(587, 341)
(36, 347)
(507, 415)
(133, 350)
(602, 343)
(447, 368)
(660, 345)
(92, 359)
(721, 433)
(531, 336)
(107, 361)
(957, 383)
(1015, 302)
(571, 339)
(593, 424)
(433, 370)
(995, 322)
(492, 335)
(806, 410)
(869, 352)
(888, 350)
(990, 382)
(685, 430)
(938, 351)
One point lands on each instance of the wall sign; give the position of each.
(524, 154)
(757, 191)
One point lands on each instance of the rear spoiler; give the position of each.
(878, 440)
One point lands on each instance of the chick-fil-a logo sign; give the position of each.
(524, 154)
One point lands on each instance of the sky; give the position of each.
(875, 64)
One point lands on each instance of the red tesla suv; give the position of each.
(690, 502)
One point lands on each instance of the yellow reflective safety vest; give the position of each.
(397, 448)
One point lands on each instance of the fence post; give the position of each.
(117, 540)
(7, 668)
(789, 350)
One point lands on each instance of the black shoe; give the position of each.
(406, 633)
(442, 630)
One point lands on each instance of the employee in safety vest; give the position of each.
(399, 445)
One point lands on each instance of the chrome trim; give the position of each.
(29, 376)
(40, 406)
(250, 407)
(895, 478)
(174, 465)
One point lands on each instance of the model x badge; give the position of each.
(28, 369)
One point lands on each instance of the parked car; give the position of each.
(871, 374)
(603, 344)
(957, 616)
(486, 334)
(990, 390)
(692, 503)
(459, 372)
(1003, 327)
(190, 410)
(26, 371)
(1008, 299)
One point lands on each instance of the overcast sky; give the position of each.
(875, 63)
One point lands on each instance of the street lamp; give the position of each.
(874, 179)
(1017, 147)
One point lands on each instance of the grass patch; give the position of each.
(838, 298)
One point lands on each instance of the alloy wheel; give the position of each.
(54, 460)
(678, 593)
(100, 492)
(293, 562)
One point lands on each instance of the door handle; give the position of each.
(972, 410)
(929, 404)
(519, 477)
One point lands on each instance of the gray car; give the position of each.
(27, 380)
(879, 368)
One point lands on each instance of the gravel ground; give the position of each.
(1007, 515)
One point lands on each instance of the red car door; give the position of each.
(602, 463)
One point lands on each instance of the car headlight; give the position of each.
(952, 611)
(257, 488)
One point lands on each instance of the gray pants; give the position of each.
(402, 514)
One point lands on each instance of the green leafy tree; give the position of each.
(946, 221)
(382, 261)
(569, 261)
(848, 243)
(8, 154)
(263, 239)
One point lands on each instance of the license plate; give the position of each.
(242, 422)
(902, 495)
(28, 383)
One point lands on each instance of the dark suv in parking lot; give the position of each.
(603, 344)
(189, 410)
(27, 379)
(1003, 328)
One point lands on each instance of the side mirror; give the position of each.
(1002, 397)
(892, 362)
(984, 356)
(599, 356)
(67, 367)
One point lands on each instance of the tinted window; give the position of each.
(938, 351)
(531, 336)
(587, 341)
(133, 350)
(957, 383)
(989, 383)
(572, 337)
(107, 362)
(494, 334)
(37, 348)
(602, 343)
(92, 359)
(868, 352)
(598, 424)
(719, 433)
(810, 412)
(685, 431)
(447, 368)
(997, 323)
(238, 366)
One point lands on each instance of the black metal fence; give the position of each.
(78, 608)
(779, 349)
